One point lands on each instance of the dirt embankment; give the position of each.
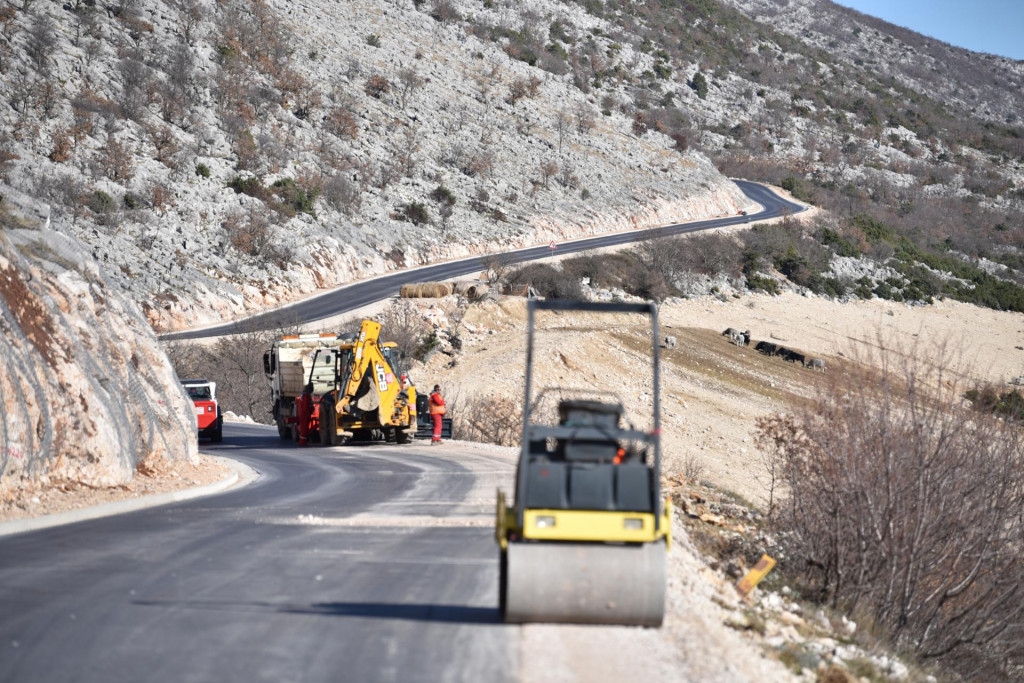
(712, 390)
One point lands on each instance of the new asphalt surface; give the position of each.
(351, 297)
(359, 563)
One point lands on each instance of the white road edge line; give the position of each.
(241, 475)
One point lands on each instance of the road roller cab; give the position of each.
(585, 540)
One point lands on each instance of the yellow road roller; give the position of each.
(586, 538)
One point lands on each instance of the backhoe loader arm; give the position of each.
(363, 353)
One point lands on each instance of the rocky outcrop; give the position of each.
(87, 394)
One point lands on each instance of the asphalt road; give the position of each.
(351, 297)
(363, 563)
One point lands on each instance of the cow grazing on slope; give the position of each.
(815, 364)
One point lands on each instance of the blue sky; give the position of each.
(995, 26)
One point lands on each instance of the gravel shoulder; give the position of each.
(50, 503)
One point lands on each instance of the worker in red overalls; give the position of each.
(304, 410)
(437, 411)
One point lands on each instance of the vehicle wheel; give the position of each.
(390, 435)
(283, 430)
(328, 424)
(218, 432)
(402, 437)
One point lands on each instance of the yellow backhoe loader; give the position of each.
(586, 538)
(368, 395)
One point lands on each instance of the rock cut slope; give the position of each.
(87, 395)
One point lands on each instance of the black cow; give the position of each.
(796, 357)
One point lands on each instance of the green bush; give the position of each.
(796, 187)
(202, 170)
(100, 202)
(757, 282)
(1009, 404)
(699, 84)
(442, 195)
(248, 185)
(415, 213)
(876, 231)
(833, 287)
(295, 199)
(840, 245)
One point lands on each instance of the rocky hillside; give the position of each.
(222, 157)
(84, 401)
(985, 86)
(219, 157)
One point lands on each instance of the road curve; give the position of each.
(351, 297)
(372, 563)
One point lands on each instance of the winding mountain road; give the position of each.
(351, 297)
(363, 563)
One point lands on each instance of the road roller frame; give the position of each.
(585, 540)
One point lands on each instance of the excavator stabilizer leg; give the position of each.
(585, 583)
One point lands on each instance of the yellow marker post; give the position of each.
(755, 575)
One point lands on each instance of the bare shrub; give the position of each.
(490, 418)
(243, 144)
(516, 91)
(115, 161)
(162, 196)
(665, 256)
(547, 281)
(562, 123)
(235, 362)
(907, 507)
(694, 468)
(252, 233)
(63, 144)
(585, 119)
(42, 41)
(568, 178)
(342, 194)
(165, 142)
(190, 19)
(341, 122)
(641, 123)
(497, 267)
(547, 170)
(402, 323)
(409, 81)
(242, 386)
(377, 86)
(445, 11)
(6, 54)
(135, 79)
(481, 164)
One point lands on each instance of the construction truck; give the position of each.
(368, 397)
(209, 421)
(586, 537)
(288, 365)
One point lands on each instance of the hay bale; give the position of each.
(425, 290)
